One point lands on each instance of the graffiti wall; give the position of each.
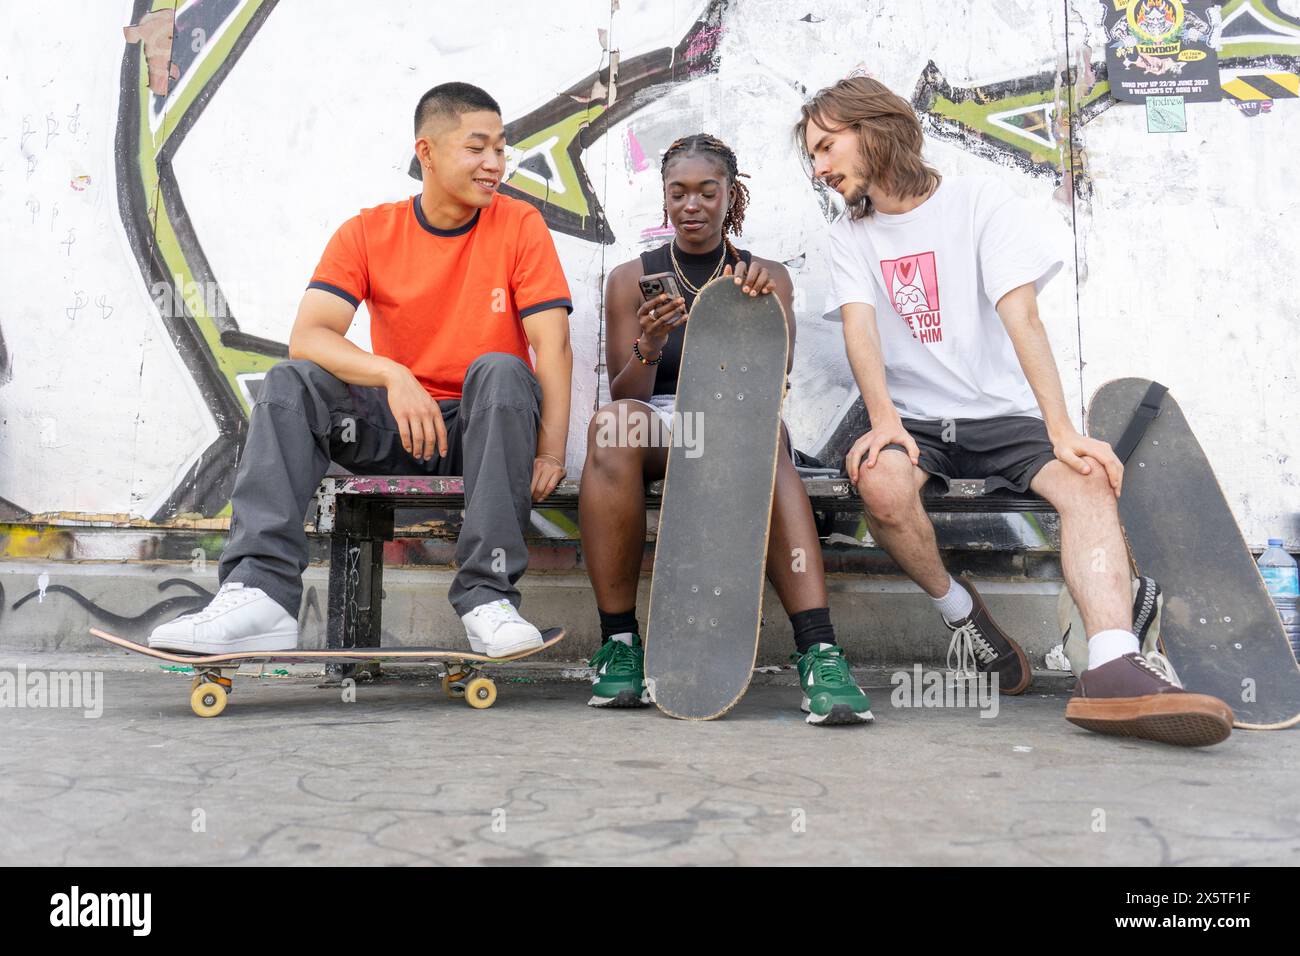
(170, 172)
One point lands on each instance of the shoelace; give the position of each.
(962, 646)
(227, 598)
(1158, 664)
(497, 613)
(970, 648)
(829, 668)
(615, 657)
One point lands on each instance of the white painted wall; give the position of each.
(99, 414)
(1188, 249)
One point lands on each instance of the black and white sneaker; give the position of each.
(979, 645)
(1148, 602)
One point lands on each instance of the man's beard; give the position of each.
(859, 192)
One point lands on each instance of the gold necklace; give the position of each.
(717, 270)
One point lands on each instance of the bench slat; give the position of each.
(827, 494)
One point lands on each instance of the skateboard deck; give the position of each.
(706, 592)
(210, 688)
(1219, 628)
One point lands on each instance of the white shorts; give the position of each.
(663, 406)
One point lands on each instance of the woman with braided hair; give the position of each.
(705, 202)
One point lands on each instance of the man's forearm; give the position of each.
(555, 375)
(1039, 366)
(868, 366)
(1019, 313)
(345, 361)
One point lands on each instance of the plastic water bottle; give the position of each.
(1283, 580)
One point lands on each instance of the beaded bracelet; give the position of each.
(636, 350)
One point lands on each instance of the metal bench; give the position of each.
(357, 514)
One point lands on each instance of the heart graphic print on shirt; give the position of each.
(913, 286)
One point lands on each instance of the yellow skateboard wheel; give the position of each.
(208, 699)
(480, 693)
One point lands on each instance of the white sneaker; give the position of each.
(497, 630)
(238, 619)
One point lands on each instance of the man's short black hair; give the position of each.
(450, 100)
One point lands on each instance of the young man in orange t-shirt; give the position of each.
(459, 282)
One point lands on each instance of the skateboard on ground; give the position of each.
(211, 686)
(706, 592)
(1218, 628)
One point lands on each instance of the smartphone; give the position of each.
(660, 283)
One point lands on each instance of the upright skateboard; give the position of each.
(1219, 629)
(213, 673)
(706, 594)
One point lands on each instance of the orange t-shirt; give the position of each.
(440, 298)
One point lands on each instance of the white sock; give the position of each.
(956, 604)
(625, 637)
(1105, 646)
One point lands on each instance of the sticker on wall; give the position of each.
(154, 32)
(1254, 94)
(1163, 48)
(1166, 114)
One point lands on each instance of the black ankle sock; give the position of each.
(622, 623)
(812, 627)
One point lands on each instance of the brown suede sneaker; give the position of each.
(994, 652)
(1131, 697)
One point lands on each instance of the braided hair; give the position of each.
(703, 143)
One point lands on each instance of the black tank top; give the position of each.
(697, 269)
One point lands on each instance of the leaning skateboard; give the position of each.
(211, 686)
(1218, 628)
(706, 593)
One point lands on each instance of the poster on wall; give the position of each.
(1163, 48)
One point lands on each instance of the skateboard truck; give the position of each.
(469, 684)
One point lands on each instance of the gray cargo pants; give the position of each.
(304, 418)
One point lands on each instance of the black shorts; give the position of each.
(1006, 452)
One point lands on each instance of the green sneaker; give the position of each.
(830, 695)
(620, 675)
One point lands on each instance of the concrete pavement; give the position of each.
(292, 774)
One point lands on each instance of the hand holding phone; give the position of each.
(663, 310)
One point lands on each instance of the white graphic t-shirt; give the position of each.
(934, 276)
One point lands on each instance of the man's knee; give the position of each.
(491, 364)
(292, 379)
(1088, 494)
(888, 490)
(507, 378)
